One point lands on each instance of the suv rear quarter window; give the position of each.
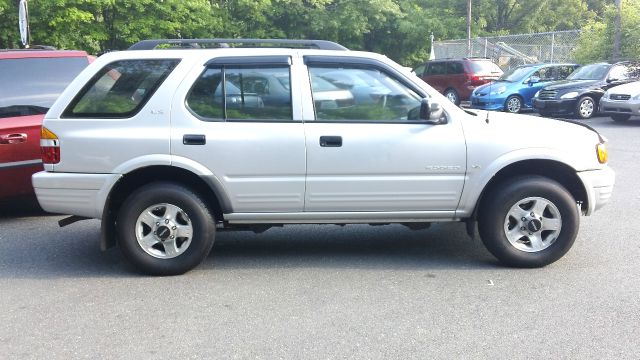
(120, 89)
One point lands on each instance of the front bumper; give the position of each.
(599, 187)
(564, 107)
(628, 107)
(73, 194)
(487, 103)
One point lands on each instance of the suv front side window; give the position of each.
(120, 89)
(360, 94)
(247, 93)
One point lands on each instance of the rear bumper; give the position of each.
(599, 187)
(73, 194)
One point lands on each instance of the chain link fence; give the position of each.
(510, 51)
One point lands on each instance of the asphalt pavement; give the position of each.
(330, 292)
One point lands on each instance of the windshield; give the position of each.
(484, 67)
(516, 74)
(29, 86)
(590, 72)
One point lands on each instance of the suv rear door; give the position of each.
(240, 118)
(368, 157)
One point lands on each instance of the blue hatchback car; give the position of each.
(515, 89)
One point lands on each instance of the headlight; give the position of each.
(637, 97)
(499, 90)
(601, 151)
(606, 95)
(538, 93)
(570, 95)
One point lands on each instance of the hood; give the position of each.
(574, 84)
(632, 89)
(486, 88)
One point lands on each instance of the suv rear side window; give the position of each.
(484, 67)
(120, 89)
(31, 85)
(250, 93)
(455, 68)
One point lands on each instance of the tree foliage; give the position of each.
(398, 28)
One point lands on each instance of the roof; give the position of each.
(35, 53)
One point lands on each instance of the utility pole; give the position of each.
(617, 30)
(469, 28)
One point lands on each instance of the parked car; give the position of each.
(30, 81)
(164, 177)
(457, 78)
(580, 93)
(621, 102)
(515, 89)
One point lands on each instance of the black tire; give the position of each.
(513, 104)
(620, 117)
(453, 96)
(494, 220)
(586, 107)
(162, 196)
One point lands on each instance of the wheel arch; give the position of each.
(552, 169)
(204, 186)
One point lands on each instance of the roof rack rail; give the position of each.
(225, 43)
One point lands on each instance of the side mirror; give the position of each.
(610, 80)
(429, 111)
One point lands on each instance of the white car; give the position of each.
(621, 102)
(147, 141)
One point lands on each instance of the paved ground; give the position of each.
(320, 292)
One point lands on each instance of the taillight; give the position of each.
(49, 146)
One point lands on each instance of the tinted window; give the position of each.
(420, 70)
(30, 86)
(455, 68)
(360, 95)
(484, 66)
(438, 68)
(120, 89)
(261, 93)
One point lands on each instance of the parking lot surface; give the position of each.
(330, 292)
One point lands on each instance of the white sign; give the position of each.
(23, 22)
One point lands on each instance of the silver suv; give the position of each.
(174, 140)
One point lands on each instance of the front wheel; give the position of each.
(513, 104)
(585, 108)
(620, 117)
(528, 222)
(165, 229)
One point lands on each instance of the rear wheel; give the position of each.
(585, 108)
(165, 229)
(620, 117)
(453, 96)
(528, 221)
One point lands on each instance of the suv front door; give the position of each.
(236, 118)
(367, 156)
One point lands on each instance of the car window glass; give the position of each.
(484, 67)
(260, 93)
(590, 72)
(545, 74)
(419, 70)
(563, 71)
(625, 71)
(359, 94)
(455, 68)
(35, 83)
(438, 68)
(121, 88)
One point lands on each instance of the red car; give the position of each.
(30, 81)
(457, 78)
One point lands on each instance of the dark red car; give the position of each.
(457, 78)
(30, 81)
